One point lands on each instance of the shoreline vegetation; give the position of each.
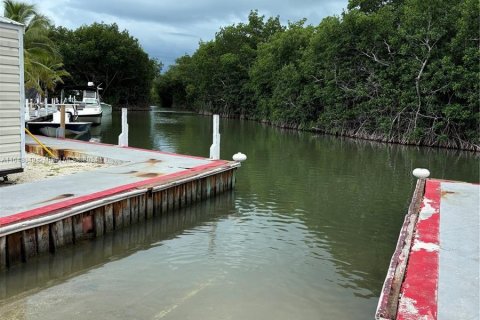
(397, 71)
(350, 135)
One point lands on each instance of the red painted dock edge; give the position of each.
(49, 209)
(419, 289)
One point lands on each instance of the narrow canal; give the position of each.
(307, 233)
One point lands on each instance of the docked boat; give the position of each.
(74, 130)
(83, 102)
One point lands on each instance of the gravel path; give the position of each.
(39, 168)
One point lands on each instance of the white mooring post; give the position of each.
(27, 110)
(215, 147)
(123, 137)
(421, 173)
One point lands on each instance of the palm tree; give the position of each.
(43, 63)
(45, 73)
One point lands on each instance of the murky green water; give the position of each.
(307, 233)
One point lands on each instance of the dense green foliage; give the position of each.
(43, 63)
(216, 78)
(103, 54)
(399, 71)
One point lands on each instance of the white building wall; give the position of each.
(12, 97)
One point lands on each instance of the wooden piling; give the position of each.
(14, 248)
(68, 230)
(3, 284)
(142, 207)
(164, 201)
(198, 184)
(176, 199)
(126, 212)
(56, 236)
(133, 210)
(77, 224)
(118, 215)
(194, 191)
(230, 176)
(220, 183)
(88, 228)
(108, 213)
(225, 181)
(62, 121)
(210, 187)
(3, 253)
(183, 195)
(29, 244)
(149, 205)
(99, 222)
(43, 239)
(204, 189)
(157, 203)
(171, 197)
(188, 193)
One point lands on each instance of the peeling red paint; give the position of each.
(419, 290)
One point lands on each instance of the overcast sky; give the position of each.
(169, 29)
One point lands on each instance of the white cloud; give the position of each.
(169, 29)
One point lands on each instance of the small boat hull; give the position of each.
(75, 130)
(82, 113)
(95, 119)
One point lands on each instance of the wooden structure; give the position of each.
(12, 98)
(69, 218)
(110, 215)
(47, 271)
(388, 302)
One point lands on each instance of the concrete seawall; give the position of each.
(40, 217)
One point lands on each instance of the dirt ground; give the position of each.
(39, 168)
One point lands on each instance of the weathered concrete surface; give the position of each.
(458, 285)
(442, 275)
(133, 168)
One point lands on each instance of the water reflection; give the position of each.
(96, 131)
(350, 194)
(51, 270)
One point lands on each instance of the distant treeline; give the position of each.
(111, 58)
(396, 71)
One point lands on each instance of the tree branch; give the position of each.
(374, 57)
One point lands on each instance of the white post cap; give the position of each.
(239, 157)
(421, 173)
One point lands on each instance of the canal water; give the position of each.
(307, 233)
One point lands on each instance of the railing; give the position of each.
(38, 109)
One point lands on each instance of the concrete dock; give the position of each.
(434, 272)
(41, 217)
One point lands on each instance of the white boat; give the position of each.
(83, 102)
(75, 130)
